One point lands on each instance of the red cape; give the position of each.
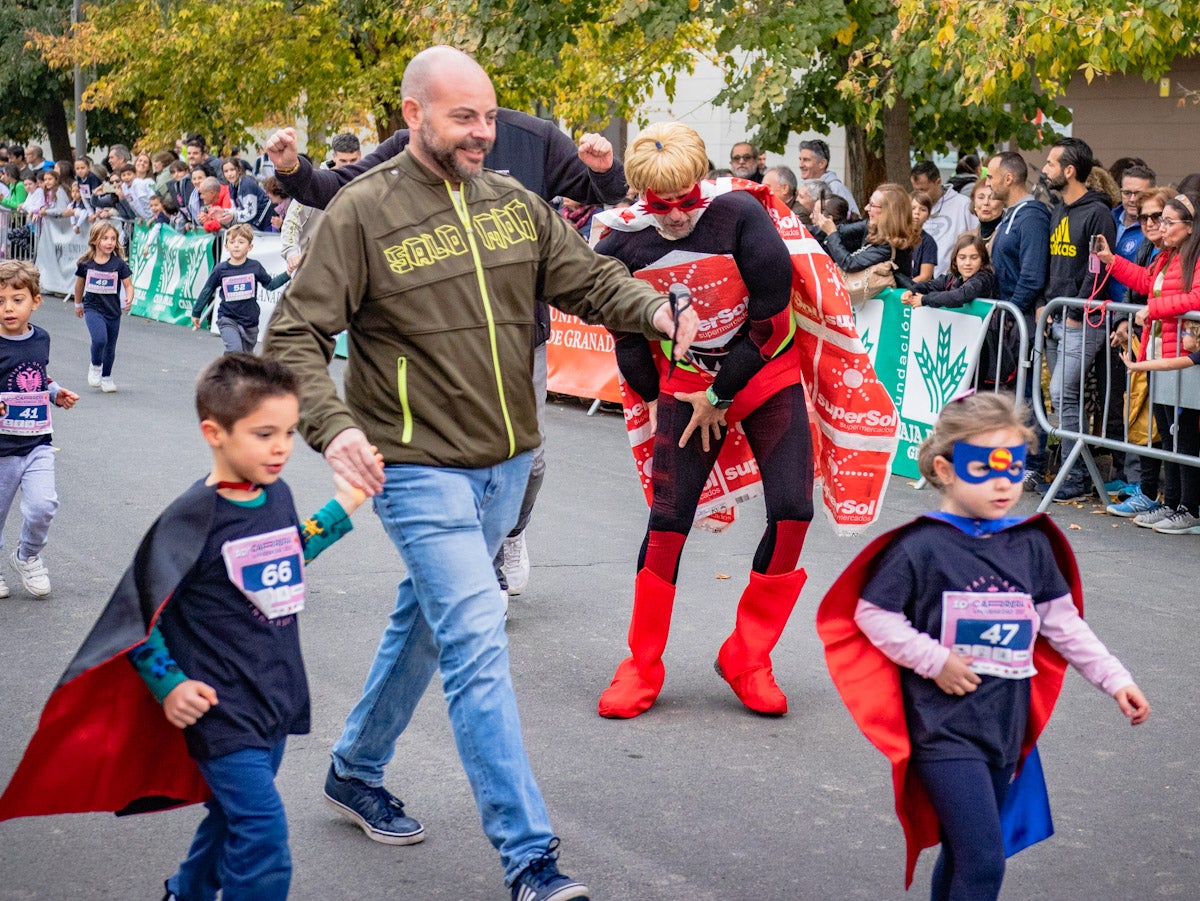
(102, 743)
(869, 682)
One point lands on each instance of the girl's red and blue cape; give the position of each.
(869, 683)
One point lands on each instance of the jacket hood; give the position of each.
(1091, 197)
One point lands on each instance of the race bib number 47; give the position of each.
(269, 570)
(995, 629)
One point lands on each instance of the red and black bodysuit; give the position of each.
(739, 272)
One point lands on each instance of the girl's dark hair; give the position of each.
(1190, 184)
(970, 239)
(232, 386)
(836, 208)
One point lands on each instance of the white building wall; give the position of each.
(721, 127)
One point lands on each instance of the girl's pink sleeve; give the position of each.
(899, 641)
(1068, 634)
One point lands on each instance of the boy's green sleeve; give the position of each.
(323, 528)
(155, 665)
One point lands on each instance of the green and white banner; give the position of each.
(924, 357)
(169, 269)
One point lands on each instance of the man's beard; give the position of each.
(444, 155)
(1053, 184)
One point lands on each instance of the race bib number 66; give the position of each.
(269, 570)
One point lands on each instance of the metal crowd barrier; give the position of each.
(1005, 316)
(18, 239)
(1176, 389)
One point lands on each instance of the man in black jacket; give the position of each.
(1073, 344)
(543, 159)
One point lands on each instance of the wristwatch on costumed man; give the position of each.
(716, 401)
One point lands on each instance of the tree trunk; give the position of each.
(390, 122)
(897, 143)
(865, 169)
(54, 118)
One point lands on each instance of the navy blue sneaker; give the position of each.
(541, 881)
(1068, 491)
(372, 808)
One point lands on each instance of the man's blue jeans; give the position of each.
(241, 847)
(1071, 350)
(448, 524)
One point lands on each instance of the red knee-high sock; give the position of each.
(789, 542)
(663, 550)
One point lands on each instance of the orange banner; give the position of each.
(580, 359)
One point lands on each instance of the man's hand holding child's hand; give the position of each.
(351, 497)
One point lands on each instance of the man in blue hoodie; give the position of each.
(1020, 257)
(1073, 344)
(1021, 246)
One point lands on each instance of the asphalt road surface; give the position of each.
(697, 799)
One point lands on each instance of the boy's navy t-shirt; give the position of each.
(26, 420)
(911, 577)
(102, 285)
(239, 291)
(219, 637)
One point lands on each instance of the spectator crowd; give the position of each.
(995, 229)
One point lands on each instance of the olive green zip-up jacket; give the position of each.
(436, 290)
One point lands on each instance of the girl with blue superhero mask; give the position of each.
(948, 640)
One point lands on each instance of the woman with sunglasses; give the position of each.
(1172, 287)
(1141, 496)
(744, 367)
(888, 233)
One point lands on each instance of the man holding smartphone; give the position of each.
(1073, 344)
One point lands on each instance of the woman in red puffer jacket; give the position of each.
(1172, 290)
(1168, 281)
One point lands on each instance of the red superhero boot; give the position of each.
(744, 660)
(639, 677)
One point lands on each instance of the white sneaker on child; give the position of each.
(108, 386)
(515, 564)
(94, 376)
(33, 574)
(4, 592)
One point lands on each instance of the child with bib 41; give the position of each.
(948, 640)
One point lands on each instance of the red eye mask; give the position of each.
(686, 204)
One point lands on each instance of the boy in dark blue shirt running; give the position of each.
(237, 279)
(206, 618)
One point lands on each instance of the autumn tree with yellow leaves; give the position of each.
(225, 69)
